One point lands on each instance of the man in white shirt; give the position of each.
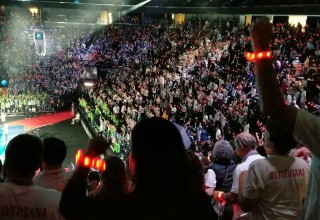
(20, 198)
(245, 146)
(53, 176)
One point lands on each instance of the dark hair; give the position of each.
(54, 151)
(114, 178)
(282, 140)
(195, 171)
(23, 154)
(159, 154)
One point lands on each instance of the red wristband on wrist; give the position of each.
(253, 56)
(86, 161)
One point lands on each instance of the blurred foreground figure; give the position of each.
(53, 175)
(20, 198)
(163, 183)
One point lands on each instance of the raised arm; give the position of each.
(74, 201)
(271, 99)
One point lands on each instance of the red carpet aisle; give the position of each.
(43, 120)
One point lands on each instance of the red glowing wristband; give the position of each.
(86, 161)
(253, 56)
(219, 195)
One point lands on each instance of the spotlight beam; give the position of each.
(134, 7)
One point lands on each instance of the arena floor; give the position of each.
(73, 135)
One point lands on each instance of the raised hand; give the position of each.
(261, 33)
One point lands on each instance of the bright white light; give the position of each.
(88, 84)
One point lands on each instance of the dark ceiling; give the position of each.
(307, 7)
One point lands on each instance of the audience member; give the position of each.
(20, 198)
(303, 125)
(53, 175)
(245, 146)
(219, 172)
(276, 186)
(114, 180)
(107, 199)
(158, 161)
(196, 170)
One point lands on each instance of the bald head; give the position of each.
(247, 140)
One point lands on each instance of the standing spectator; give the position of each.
(246, 148)
(175, 197)
(53, 176)
(219, 173)
(275, 186)
(20, 198)
(303, 125)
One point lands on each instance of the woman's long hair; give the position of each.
(159, 154)
(114, 179)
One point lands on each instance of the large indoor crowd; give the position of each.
(240, 164)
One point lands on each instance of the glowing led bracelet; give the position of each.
(252, 56)
(86, 161)
(223, 202)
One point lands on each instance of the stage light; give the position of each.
(38, 36)
(4, 83)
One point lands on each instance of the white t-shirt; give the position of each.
(210, 179)
(244, 166)
(28, 202)
(280, 184)
(55, 179)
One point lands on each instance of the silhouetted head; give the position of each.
(23, 155)
(157, 156)
(54, 151)
(278, 138)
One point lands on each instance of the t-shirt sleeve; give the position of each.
(307, 130)
(253, 183)
(210, 179)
